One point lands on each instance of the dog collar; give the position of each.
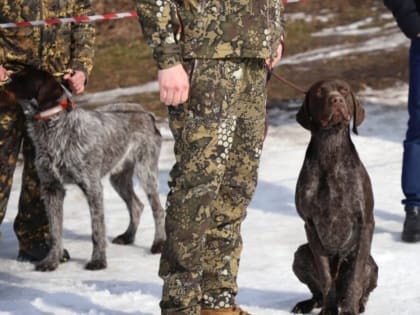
(65, 103)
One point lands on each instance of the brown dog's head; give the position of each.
(330, 103)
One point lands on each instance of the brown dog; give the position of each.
(334, 197)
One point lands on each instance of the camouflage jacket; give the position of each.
(53, 47)
(184, 29)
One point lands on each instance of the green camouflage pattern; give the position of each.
(52, 47)
(211, 29)
(11, 127)
(218, 135)
(31, 224)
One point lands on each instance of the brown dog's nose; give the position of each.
(336, 100)
(337, 107)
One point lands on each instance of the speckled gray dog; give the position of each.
(80, 146)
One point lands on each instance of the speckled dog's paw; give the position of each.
(47, 264)
(96, 264)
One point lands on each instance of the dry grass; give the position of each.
(123, 59)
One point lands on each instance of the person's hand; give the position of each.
(4, 74)
(271, 63)
(174, 85)
(76, 81)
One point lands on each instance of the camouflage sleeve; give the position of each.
(282, 19)
(279, 25)
(281, 22)
(8, 44)
(158, 19)
(83, 39)
(3, 50)
(5, 53)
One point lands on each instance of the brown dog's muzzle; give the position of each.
(337, 111)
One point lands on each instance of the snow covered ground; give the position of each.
(272, 231)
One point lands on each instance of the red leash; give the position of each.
(287, 82)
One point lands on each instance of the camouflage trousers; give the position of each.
(218, 135)
(31, 223)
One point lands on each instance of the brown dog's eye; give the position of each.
(343, 91)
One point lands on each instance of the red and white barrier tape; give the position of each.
(293, 1)
(76, 19)
(87, 19)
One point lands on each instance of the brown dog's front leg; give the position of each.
(322, 263)
(355, 290)
(305, 270)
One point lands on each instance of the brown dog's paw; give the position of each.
(329, 311)
(305, 307)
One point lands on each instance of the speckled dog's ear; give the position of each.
(8, 98)
(303, 117)
(31, 83)
(358, 113)
(29, 107)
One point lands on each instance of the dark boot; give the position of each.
(411, 230)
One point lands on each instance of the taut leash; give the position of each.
(287, 82)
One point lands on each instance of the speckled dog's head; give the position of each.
(35, 90)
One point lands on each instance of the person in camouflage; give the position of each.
(212, 58)
(55, 48)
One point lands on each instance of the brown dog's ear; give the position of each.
(303, 116)
(358, 113)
